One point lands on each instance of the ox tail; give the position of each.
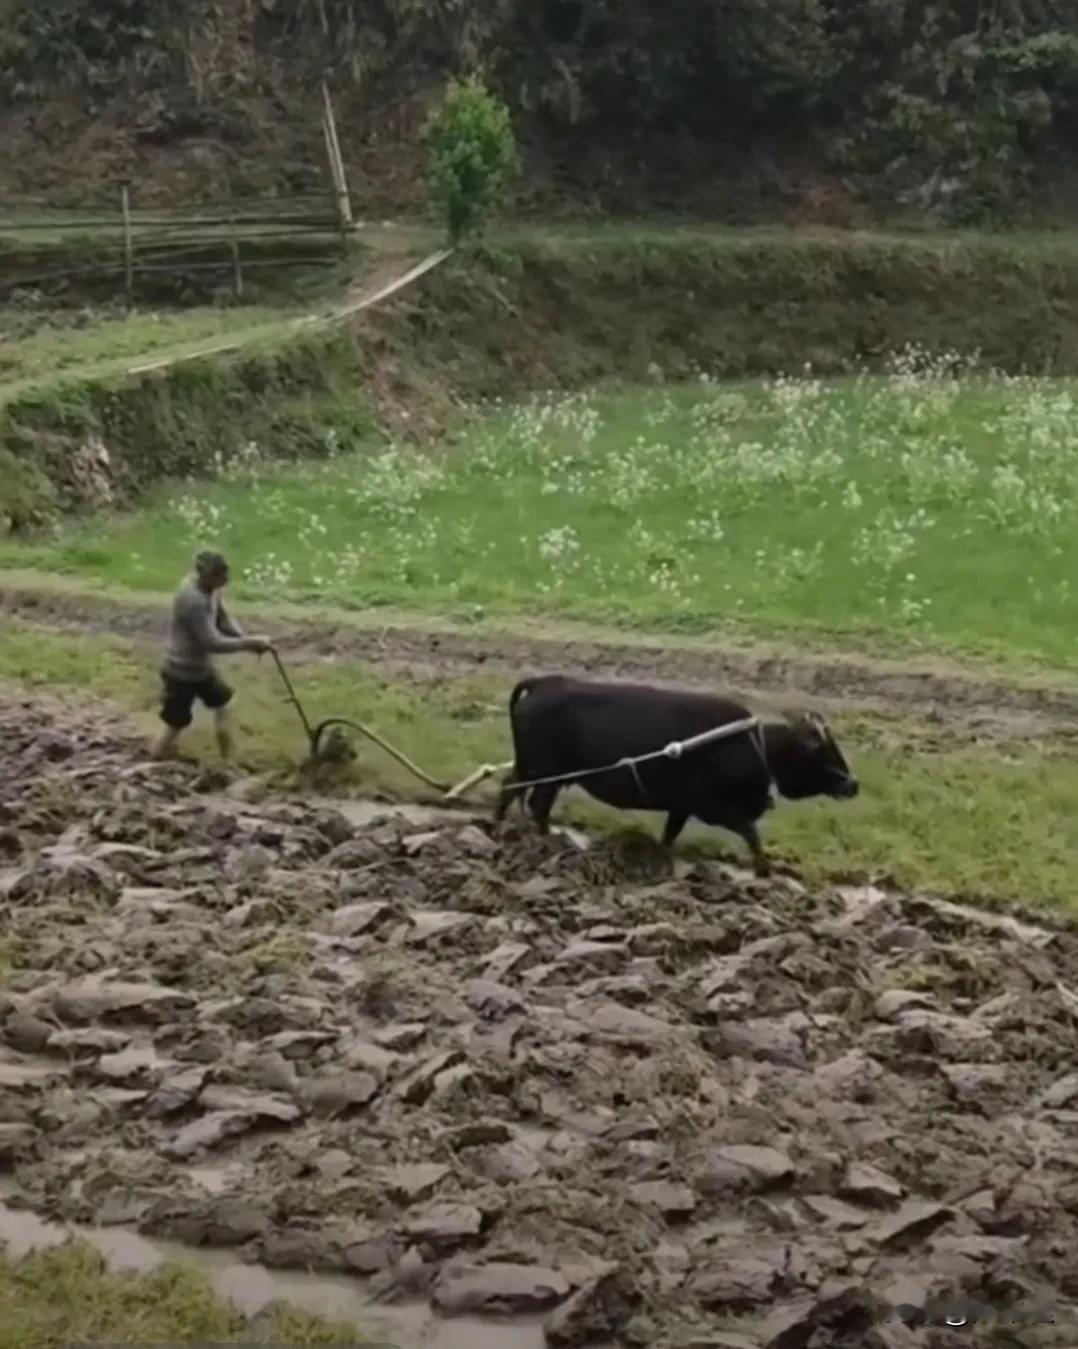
(521, 691)
(518, 771)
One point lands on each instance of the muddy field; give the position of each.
(935, 694)
(519, 1077)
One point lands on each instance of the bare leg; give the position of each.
(164, 747)
(674, 825)
(223, 729)
(541, 803)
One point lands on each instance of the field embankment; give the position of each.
(571, 307)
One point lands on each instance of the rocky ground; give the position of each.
(513, 1076)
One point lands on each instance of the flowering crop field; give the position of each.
(936, 501)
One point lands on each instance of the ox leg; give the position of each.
(674, 825)
(541, 803)
(751, 835)
(505, 797)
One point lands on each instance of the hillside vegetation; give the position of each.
(530, 313)
(964, 106)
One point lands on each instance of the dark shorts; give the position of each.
(179, 695)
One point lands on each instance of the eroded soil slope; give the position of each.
(512, 1076)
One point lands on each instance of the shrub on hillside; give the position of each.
(27, 497)
(473, 155)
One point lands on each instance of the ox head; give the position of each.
(808, 762)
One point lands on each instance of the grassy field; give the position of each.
(106, 340)
(933, 503)
(64, 1296)
(988, 823)
(42, 346)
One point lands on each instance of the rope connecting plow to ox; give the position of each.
(314, 735)
(673, 751)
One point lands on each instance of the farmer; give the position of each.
(201, 629)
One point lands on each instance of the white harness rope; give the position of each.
(674, 750)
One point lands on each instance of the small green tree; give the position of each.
(473, 155)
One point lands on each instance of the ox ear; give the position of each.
(822, 728)
(808, 727)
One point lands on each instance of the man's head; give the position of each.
(211, 569)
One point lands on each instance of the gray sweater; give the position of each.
(200, 629)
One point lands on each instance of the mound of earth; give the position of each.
(512, 1076)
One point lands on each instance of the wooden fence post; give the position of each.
(234, 240)
(336, 164)
(129, 245)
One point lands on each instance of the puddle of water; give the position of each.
(213, 1179)
(250, 1288)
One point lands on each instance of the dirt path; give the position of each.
(501, 1074)
(392, 273)
(985, 707)
(386, 280)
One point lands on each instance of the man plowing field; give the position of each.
(201, 629)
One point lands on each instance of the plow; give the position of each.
(317, 743)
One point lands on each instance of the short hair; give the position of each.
(208, 563)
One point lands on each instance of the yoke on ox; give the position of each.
(630, 746)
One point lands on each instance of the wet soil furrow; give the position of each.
(649, 1102)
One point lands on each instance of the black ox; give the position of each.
(563, 725)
